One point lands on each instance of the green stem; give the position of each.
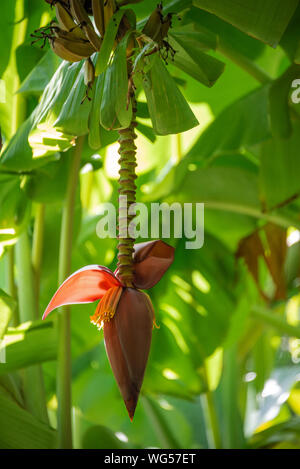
(34, 393)
(127, 190)
(9, 272)
(209, 400)
(37, 247)
(179, 147)
(64, 398)
(10, 286)
(164, 433)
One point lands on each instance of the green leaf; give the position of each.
(100, 437)
(114, 113)
(233, 424)
(56, 94)
(280, 167)
(160, 425)
(27, 345)
(74, 114)
(47, 184)
(189, 56)
(169, 111)
(94, 117)
(244, 123)
(285, 431)
(279, 102)
(108, 41)
(7, 306)
(39, 77)
(13, 207)
(266, 20)
(222, 187)
(20, 430)
(6, 33)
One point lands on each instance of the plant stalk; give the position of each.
(64, 396)
(37, 247)
(127, 192)
(211, 412)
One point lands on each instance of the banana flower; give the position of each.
(125, 314)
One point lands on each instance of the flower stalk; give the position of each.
(127, 193)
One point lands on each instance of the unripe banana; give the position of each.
(70, 50)
(98, 12)
(66, 21)
(79, 13)
(110, 8)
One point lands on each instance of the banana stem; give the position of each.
(127, 192)
(211, 413)
(10, 286)
(64, 424)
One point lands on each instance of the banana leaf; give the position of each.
(169, 111)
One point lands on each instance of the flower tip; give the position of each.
(131, 406)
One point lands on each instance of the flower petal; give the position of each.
(84, 286)
(151, 261)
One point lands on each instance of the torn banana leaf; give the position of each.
(169, 111)
(56, 93)
(116, 112)
(44, 138)
(190, 58)
(108, 41)
(74, 115)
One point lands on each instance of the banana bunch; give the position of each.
(74, 37)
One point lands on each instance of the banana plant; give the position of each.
(119, 59)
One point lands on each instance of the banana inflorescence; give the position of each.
(74, 36)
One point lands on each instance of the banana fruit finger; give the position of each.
(67, 23)
(80, 14)
(98, 12)
(70, 50)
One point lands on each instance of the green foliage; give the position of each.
(223, 369)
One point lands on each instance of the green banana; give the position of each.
(67, 23)
(110, 8)
(80, 15)
(98, 12)
(69, 49)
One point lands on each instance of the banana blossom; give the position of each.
(125, 314)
